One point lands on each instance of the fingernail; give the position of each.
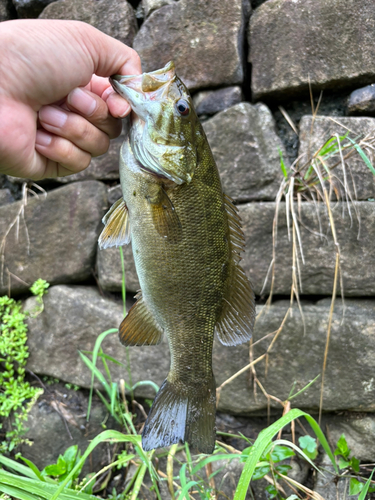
(82, 101)
(42, 138)
(53, 116)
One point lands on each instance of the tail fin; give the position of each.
(182, 414)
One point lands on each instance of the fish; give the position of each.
(187, 242)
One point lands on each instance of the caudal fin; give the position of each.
(182, 415)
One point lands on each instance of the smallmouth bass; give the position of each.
(186, 239)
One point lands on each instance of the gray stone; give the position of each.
(301, 41)
(30, 8)
(57, 236)
(151, 5)
(5, 10)
(114, 194)
(205, 40)
(5, 197)
(297, 356)
(327, 486)
(356, 245)
(209, 102)
(110, 272)
(114, 17)
(104, 167)
(359, 431)
(323, 128)
(362, 101)
(58, 421)
(246, 149)
(74, 316)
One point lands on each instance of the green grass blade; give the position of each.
(39, 489)
(21, 469)
(282, 164)
(112, 436)
(34, 468)
(185, 490)
(123, 281)
(98, 342)
(146, 382)
(363, 155)
(138, 482)
(95, 371)
(17, 493)
(363, 493)
(264, 439)
(213, 458)
(113, 398)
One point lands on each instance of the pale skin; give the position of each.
(57, 107)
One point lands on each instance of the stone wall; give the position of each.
(248, 67)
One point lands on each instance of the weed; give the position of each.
(16, 395)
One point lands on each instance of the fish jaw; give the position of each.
(166, 146)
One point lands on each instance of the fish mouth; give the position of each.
(147, 86)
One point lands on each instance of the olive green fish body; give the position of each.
(186, 240)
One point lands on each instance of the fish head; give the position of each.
(164, 130)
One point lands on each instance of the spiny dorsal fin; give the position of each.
(164, 215)
(139, 327)
(117, 228)
(236, 322)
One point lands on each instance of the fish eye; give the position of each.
(183, 107)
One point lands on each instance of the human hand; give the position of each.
(56, 108)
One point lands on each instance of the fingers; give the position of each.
(73, 133)
(60, 156)
(75, 129)
(95, 110)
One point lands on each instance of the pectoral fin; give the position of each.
(236, 322)
(164, 215)
(139, 327)
(117, 228)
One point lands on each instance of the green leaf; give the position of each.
(309, 446)
(280, 453)
(56, 469)
(271, 490)
(355, 486)
(354, 464)
(260, 472)
(70, 456)
(264, 440)
(366, 488)
(343, 464)
(213, 458)
(283, 469)
(342, 447)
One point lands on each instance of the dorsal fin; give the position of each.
(236, 321)
(139, 327)
(117, 228)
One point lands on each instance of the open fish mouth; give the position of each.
(144, 83)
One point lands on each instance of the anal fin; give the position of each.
(117, 228)
(236, 322)
(139, 327)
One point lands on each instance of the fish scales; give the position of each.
(186, 240)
